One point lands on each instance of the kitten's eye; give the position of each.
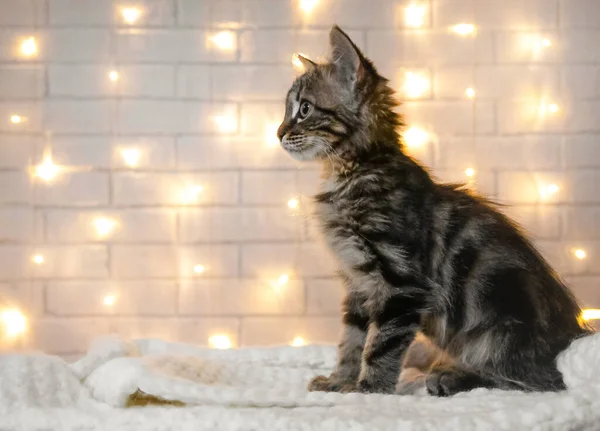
(305, 109)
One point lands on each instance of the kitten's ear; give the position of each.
(346, 57)
(302, 63)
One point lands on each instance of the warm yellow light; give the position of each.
(283, 279)
(109, 300)
(470, 92)
(549, 190)
(271, 134)
(226, 123)
(104, 226)
(224, 40)
(14, 322)
(16, 119)
(463, 29)
(219, 342)
(199, 269)
(131, 14)
(189, 195)
(38, 258)
(415, 84)
(414, 15)
(293, 203)
(113, 75)
(29, 47)
(553, 108)
(546, 42)
(46, 170)
(590, 314)
(298, 341)
(308, 5)
(470, 172)
(131, 156)
(580, 253)
(415, 137)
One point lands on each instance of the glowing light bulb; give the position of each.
(463, 29)
(225, 123)
(470, 92)
(46, 170)
(131, 14)
(415, 137)
(298, 342)
(16, 119)
(199, 269)
(470, 172)
(549, 190)
(553, 108)
(109, 300)
(590, 314)
(548, 108)
(580, 253)
(283, 279)
(113, 75)
(38, 258)
(271, 134)
(293, 203)
(308, 5)
(546, 42)
(415, 84)
(414, 15)
(224, 40)
(104, 226)
(29, 47)
(14, 322)
(219, 342)
(190, 195)
(131, 156)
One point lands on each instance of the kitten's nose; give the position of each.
(283, 129)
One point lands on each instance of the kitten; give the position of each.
(416, 255)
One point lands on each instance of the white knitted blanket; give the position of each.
(264, 389)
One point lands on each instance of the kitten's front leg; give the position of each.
(350, 349)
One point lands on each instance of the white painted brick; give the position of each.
(324, 296)
(55, 336)
(235, 297)
(193, 82)
(195, 13)
(579, 13)
(83, 151)
(169, 189)
(582, 151)
(253, 13)
(84, 298)
(69, 116)
(360, 14)
(15, 262)
(22, 12)
(155, 152)
(132, 226)
(586, 290)
(28, 111)
(524, 47)
(73, 188)
(21, 82)
(162, 261)
(581, 223)
(107, 12)
(169, 46)
(265, 331)
(194, 152)
(506, 82)
(272, 260)
(542, 222)
(147, 116)
(581, 81)
(450, 117)
(509, 14)
(191, 330)
(26, 295)
(64, 261)
(580, 46)
(239, 224)
(75, 45)
(93, 80)
(257, 46)
(17, 151)
(260, 119)
(562, 258)
(247, 83)
(16, 224)
(11, 40)
(15, 187)
(269, 187)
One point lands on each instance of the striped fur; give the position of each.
(417, 255)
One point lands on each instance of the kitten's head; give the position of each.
(338, 109)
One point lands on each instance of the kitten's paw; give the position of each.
(328, 384)
(366, 387)
(449, 382)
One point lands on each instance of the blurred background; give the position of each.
(143, 191)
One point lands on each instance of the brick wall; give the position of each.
(141, 250)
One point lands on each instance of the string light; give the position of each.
(414, 15)
(226, 123)
(29, 47)
(271, 134)
(131, 14)
(104, 226)
(190, 195)
(415, 137)
(548, 109)
(113, 75)
(199, 269)
(15, 322)
(224, 40)
(547, 43)
(131, 156)
(549, 190)
(293, 203)
(298, 342)
(38, 259)
(470, 172)
(590, 314)
(46, 170)
(470, 92)
(308, 5)
(283, 279)
(580, 253)
(109, 300)
(16, 119)
(219, 342)
(415, 84)
(463, 29)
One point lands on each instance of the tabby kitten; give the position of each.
(416, 255)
